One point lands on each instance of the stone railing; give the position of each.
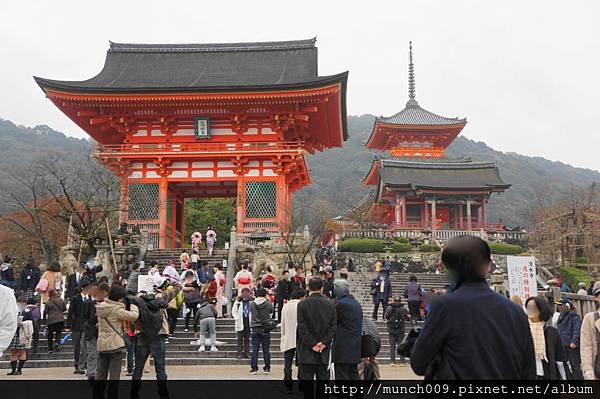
(583, 304)
(442, 234)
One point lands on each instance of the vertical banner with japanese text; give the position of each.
(522, 280)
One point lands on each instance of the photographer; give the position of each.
(110, 344)
(151, 331)
(90, 271)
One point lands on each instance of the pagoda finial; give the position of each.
(411, 75)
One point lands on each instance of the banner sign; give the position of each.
(522, 276)
(145, 283)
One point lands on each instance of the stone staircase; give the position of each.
(360, 283)
(179, 351)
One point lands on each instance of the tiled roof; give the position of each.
(204, 67)
(209, 47)
(413, 114)
(441, 175)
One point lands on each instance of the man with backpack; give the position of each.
(414, 294)
(150, 332)
(395, 315)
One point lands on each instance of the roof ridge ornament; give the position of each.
(411, 77)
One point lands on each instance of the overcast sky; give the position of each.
(524, 73)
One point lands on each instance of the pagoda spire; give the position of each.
(411, 76)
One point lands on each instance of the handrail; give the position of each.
(199, 147)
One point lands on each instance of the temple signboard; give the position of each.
(522, 276)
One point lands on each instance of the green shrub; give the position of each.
(402, 240)
(401, 247)
(573, 276)
(501, 248)
(429, 248)
(361, 245)
(582, 260)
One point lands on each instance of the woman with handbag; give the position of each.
(590, 340)
(111, 346)
(54, 314)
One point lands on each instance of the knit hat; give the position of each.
(596, 289)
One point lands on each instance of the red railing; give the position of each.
(199, 148)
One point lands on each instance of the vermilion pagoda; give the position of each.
(418, 187)
(178, 121)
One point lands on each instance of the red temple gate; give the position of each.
(207, 120)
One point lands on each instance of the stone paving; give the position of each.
(234, 372)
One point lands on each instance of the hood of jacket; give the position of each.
(260, 301)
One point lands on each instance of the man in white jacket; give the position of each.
(289, 324)
(8, 317)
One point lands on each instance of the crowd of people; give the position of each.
(466, 332)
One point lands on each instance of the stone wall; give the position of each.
(365, 262)
(267, 254)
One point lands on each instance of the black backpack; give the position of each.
(396, 319)
(150, 318)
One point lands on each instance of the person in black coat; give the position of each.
(381, 289)
(316, 329)
(30, 277)
(73, 282)
(75, 324)
(473, 333)
(91, 270)
(569, 328)
(283, 292)
(346, 346)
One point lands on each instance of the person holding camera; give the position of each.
(110, 345)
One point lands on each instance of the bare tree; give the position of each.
(84, 192)
(29, 221)
(298, 247)
(570, 226)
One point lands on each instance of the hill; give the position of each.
(336, 174)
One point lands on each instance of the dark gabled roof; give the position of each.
(413, 114)
(203, 67)
(441, 175)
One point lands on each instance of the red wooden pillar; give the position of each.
(460, 216)
(433, 216)
(426, 221)
(397, 212)
(163, 203)
(404, 216)
(241, 204)
(281, 207)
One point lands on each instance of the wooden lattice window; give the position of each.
(260, 200)
(143, 201)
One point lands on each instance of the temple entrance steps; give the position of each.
(180, 351)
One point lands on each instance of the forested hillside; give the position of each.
(336, 174)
